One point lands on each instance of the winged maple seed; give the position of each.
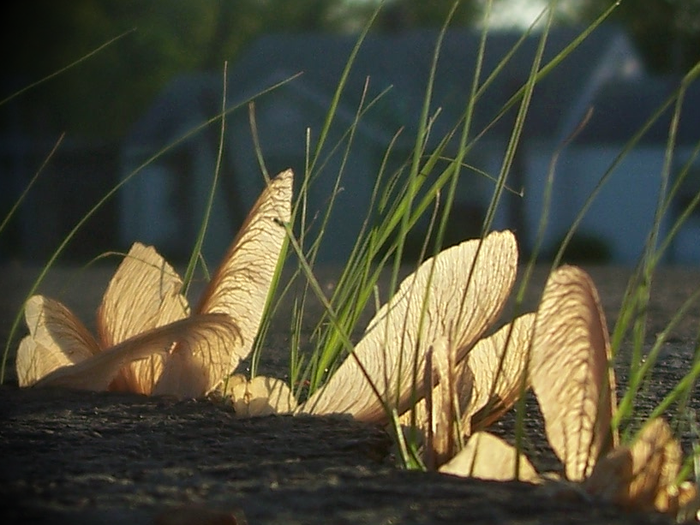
(571, 376)
(456, 296)
(643, 475)
(260, 396)
(434, 323)
(147, 339)
(464, 289)
(562, 352)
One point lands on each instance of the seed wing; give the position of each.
(239, 290)
(642, 476)
(570, 371)
(463, 294)
(486, 456)
(97, 372)
(261, 396)
(143, 294)
(498, 364)
(56, 338)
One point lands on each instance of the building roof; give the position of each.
(401, 63)
(622, 107)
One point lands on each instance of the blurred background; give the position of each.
(144, 93)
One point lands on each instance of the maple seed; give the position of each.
(570, 373)
(463, 290)
(147, 339)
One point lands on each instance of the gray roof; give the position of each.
(402, 62)
(186, 101)
(621, 108)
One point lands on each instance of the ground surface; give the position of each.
(72, 457)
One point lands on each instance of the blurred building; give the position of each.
(599, 74)
(170, 154)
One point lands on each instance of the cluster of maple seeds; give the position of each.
(149, 341)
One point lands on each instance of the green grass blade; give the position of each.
(66, 68)
(33, 180)
(199, 240)
(66, 240)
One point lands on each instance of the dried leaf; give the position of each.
(261, 396)
(569, 371)
(498, 365)
(97, 372)
(56, 339)
(486, 456)
(464, 295)
(642, 476)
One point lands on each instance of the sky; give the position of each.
(516, 13)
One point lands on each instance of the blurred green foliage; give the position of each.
(105, 94)
(170, 37)
(667, 32)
